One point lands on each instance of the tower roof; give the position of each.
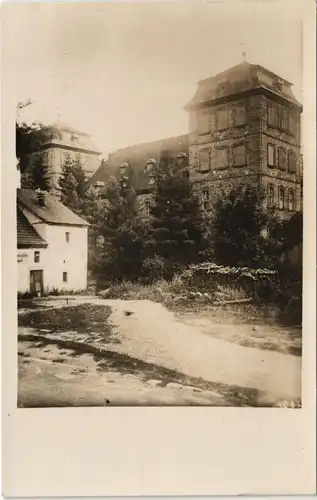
(241, 78)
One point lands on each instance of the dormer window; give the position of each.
(75, 137)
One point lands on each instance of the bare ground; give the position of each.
(150, 343)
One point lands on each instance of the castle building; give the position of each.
(66, 141)
(244, 127)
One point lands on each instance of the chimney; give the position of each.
(40, 197)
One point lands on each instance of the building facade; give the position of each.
(66, 141)
(244, 127)
(52, 244)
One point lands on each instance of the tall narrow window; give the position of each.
(272, 116)
(222, 119)
(282, 119)
(271, 155)
(281, 158)
(239, 156)
(65, 277)
(67, 237)
(240, 116)
(292, 162)
(270, 196)
(205, 199)
(204, 160)
(203, 123)
(281, 198)
(36, 256)
(220, 160)
(291, 200)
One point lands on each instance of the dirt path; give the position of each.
(154, 334)
(51, 377)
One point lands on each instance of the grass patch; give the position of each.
(82, 318)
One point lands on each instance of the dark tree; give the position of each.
(176, 233)
(68, 186)
(240, 222)
(122, 231)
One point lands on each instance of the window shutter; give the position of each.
(239, 156)
(281, 159)
(270, 155)
(204, 160)
(240, 116)
(203, 123)
(221, 159)
(222, 120)
(291, 162)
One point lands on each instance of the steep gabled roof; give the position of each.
(136, 157)
(27, 236)
(53, 212)
(241, 78)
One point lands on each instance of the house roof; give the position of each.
(241, 78)
(54, 212)
(78, 140)
(136, 157)
(27, 235)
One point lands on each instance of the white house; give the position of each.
(52, 244)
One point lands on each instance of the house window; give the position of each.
(281, 198)
(65, 277)
(239, 156)
(67, 237)
(281, 159)
(222, 120)
(272, 116)
(270, 196)
(291, 162)
(291, 200)
(240, 116)
(221, 159)
(203, 123)
(270, 155)
(205, 199)
(204, 160)
(37, 256)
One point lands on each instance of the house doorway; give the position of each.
(36, 282)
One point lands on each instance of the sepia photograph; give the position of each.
(159, 206)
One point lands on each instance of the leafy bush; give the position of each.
(153, 268)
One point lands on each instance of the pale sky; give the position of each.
(123, 72)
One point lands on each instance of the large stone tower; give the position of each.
(244, 126)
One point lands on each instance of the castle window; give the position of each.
(221, 159)
(222, 119)
(291, 162)
(270, 196)
(36, 256)
(281, 158)
(270, 155)
(203, 123)
(67, 237)
(240, 116)
(281, 198)
(204, 160)
(65, 277)
(205, 200)
(292, 123)
(272, 116)
(282, 119)
(291, 200)
(239, 156)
